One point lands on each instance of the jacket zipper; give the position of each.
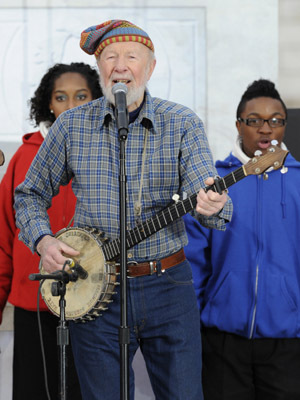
(255, 305)
(259, 189)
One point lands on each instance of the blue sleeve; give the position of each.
(198, 254)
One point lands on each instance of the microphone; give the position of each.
(63, 276)
(77, 271)
(119, 90)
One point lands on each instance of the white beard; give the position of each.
(133, 94)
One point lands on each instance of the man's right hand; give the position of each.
(51, 250)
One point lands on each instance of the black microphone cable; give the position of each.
(42, 341)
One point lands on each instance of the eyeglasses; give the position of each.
(259, 122)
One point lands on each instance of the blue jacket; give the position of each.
(247, 278)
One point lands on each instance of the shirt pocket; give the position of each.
(163, 176)
(277, 314)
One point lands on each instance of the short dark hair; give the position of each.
(39, 103)
(259, 88)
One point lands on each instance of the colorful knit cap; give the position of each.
(96, 38)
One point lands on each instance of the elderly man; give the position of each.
(166, 153)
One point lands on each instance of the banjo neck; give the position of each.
(274, 157)
(166, 216)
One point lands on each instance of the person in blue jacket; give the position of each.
(247, 278)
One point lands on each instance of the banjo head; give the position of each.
(85, 298)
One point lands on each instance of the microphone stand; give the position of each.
(62, 332)
(58, 288)
(121, 114)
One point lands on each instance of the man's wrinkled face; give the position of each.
(130, 63)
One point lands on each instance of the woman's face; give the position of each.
(70, 90)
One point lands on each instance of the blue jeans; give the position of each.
(164, 322)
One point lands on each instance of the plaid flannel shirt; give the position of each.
(83, 145)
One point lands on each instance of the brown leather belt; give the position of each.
(150, 267)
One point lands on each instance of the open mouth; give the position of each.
(264, 144)
(126, 81)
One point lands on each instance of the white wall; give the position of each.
(207, 51)
(289, 50)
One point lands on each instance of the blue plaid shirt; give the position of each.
(83, 145)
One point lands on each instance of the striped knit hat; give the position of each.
(96, 38)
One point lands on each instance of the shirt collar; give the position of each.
(146, 115)
(44, 127)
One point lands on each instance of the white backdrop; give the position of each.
(42, 37)
(207, 51)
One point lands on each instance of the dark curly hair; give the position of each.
(39, 103)
(259, 88)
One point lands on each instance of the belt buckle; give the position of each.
(127, 270)
(152, 271)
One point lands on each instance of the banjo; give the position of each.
(87, 298)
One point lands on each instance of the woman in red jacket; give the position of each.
(62, 87)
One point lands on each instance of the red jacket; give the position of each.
(16, 260)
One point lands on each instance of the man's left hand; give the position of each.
(210, 203)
